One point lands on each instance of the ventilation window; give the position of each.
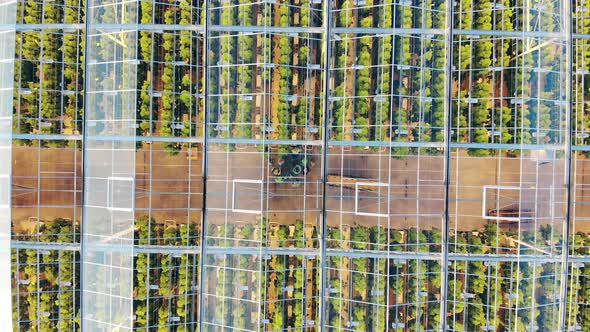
(247, 196)
(371, 199)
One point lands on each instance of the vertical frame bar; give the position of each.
(565, 250)
(447, 158)
(205, 164)
(323, 291)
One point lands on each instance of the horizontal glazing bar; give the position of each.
(352, 253)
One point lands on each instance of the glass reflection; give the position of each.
(385, 156)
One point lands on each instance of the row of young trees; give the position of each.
(231, 235)
(389, 87)
(507, 90)
(168, 74)
(166, 285)
(581, 72)
(283, 290)
(158, 11)
(481, 294)
(352, 282)
(282, 286)
(47, 283)
(267, 79)
(48, 71)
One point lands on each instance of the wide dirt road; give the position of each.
(407, 192)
